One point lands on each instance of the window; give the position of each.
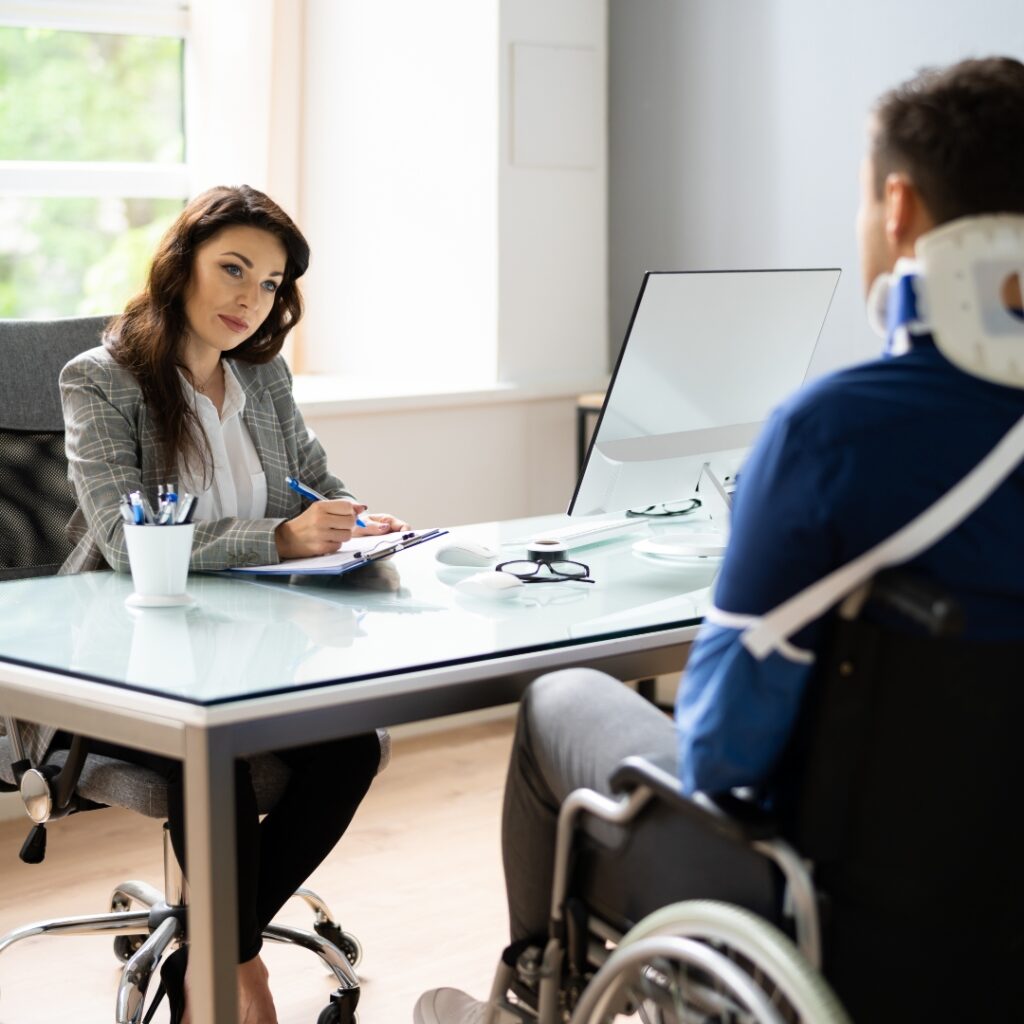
(92, 150)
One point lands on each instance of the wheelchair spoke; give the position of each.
(677, 994)
(649, 1014)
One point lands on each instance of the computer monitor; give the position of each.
(707, 356)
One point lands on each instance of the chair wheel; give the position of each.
(342, 1008)
(126, 946)
(348, 944)
(333, 1014)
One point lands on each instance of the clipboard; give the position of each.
(354, 554)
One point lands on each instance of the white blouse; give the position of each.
(239, 486)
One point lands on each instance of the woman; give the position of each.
(189, 388)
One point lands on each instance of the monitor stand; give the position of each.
(707, 544)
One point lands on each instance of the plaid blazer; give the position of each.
(112, 448)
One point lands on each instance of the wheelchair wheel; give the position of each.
(707, 961)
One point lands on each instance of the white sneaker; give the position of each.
(450, 1006)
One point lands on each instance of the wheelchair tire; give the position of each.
(745, 951)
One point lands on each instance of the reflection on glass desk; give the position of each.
(251, 637)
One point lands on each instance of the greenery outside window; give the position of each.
(92, 157)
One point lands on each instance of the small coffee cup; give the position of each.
(159, 557)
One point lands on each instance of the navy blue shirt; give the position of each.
(840, 467)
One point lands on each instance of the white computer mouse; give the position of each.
(466, 553)
(490, 585)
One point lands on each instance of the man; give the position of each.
(840, 467)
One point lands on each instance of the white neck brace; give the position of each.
(958, 277)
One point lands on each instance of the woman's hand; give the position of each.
(380, 522)
(320, 530)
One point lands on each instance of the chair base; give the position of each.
(142, 936)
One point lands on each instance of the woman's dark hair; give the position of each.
(958, 133)
(147, 337)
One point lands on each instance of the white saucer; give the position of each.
(163, 601)
(693, 545)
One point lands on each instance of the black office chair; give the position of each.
(32, 460)
(905, 893)
(36, 502)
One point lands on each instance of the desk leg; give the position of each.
(210, 852)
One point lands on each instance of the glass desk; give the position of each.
(262, 663)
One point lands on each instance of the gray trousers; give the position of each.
(574, 728)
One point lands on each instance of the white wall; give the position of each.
(737, 130)
(454, 190)
(399, 200)
(553, 293)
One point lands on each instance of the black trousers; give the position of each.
(276, 855)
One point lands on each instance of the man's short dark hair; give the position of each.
(958, 134)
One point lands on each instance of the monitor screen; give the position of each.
(707, 356)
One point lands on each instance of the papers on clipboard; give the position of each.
(354, 553)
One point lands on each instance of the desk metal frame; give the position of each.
(209, 738)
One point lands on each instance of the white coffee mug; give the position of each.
(159, 557)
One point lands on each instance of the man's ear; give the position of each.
(906, 216)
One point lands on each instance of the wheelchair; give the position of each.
(896, 889)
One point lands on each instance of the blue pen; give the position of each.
(138, 509)
(168, 503)
(310, 495)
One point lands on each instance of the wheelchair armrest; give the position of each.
(724, 813)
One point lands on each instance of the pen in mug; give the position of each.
(168, 505)
(307, 492)
(138, 508)
(186, 509)
(146, 507)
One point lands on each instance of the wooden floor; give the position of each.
(417, 878)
